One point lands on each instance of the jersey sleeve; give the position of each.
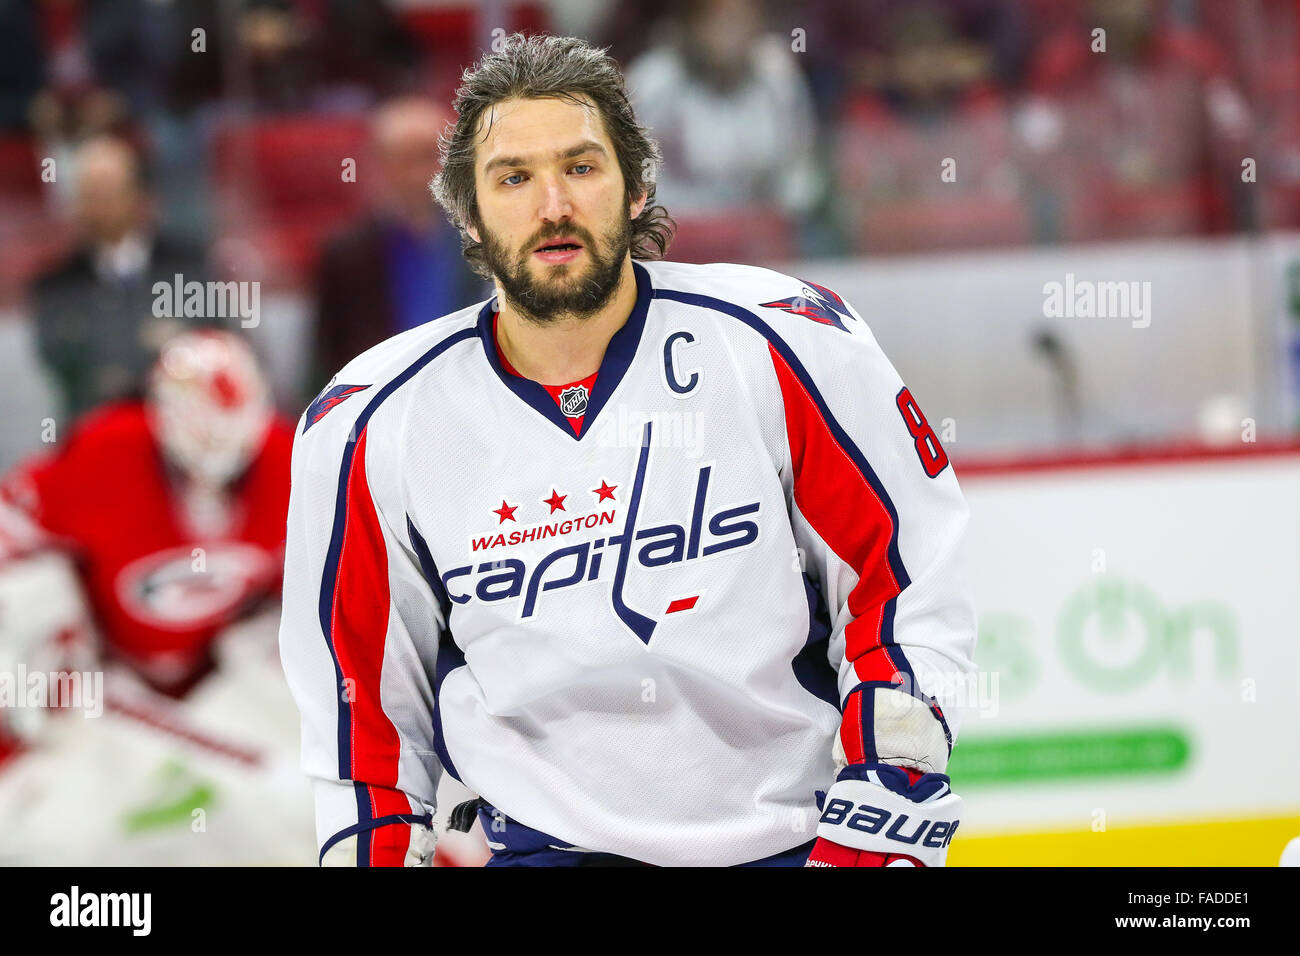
(43, 499)
(22, 507)
(880, 521)
(358, 642)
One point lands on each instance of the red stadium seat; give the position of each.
(20, 170)
(751, 236)
(1113, 211)
(943, 224)
(279, 183)
(30, 240)
(447, 31)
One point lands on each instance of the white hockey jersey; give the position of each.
(638, 639)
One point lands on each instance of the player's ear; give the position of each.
(636, 207)
(473, 224)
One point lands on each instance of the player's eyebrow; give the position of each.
(590, 146)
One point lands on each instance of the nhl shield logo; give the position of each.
(573, 401)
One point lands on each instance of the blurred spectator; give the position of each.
(1144, 138)
(22, 62)
(277, 50)
(296, 55)
(95, 322)
(926, 148)
(1272, 50)
(628, 28)
(89, 56)
(364, 47)
(119, 48)
(848, 46)
(401, 265)
(734, 117)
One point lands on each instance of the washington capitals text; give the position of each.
(660, 546)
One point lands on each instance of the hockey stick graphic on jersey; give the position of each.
(640, 625)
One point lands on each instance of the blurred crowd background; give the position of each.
(144, 138)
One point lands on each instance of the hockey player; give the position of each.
(662, 561)
(141, 542)
(173, 506)
(96, 768)
(190, 489)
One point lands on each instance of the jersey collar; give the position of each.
(618, 358)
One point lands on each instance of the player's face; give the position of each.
(554, 218)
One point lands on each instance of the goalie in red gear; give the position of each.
(173, 507)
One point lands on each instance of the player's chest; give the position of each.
(517, 515)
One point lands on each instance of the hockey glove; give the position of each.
(880, 815)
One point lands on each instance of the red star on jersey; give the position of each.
(556, 501)
(505, 511)
(605, 491)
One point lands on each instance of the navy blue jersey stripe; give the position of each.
(368, 825)
(812, 667)
(449, 656)
(329, 575)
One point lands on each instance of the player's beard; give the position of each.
(554, 295)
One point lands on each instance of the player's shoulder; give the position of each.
(391, 357)
(726, 280)
(768, 301)
(277, 444)
(111, 429)
(105, 444)
(388, 364)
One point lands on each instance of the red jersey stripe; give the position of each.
(359, 626)
(846, 512)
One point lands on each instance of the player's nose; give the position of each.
(557, 201)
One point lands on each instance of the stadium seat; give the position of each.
(1113, 211)
(30, 239)
(957, 223)
(279, 184)
(752, 236)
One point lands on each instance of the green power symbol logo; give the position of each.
(1116, 635)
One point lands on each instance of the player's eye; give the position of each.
(518, 176)
(582, 169)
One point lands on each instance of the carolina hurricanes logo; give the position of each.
(573, 401)
(817, 303)
(189, 587)
(327, 400)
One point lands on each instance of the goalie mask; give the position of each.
(209, 405)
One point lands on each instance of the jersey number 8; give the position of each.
(933, 458)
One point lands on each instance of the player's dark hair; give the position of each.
(535, 68)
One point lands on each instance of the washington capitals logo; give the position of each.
(816, 302)
(512, 575)
(327, 400)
